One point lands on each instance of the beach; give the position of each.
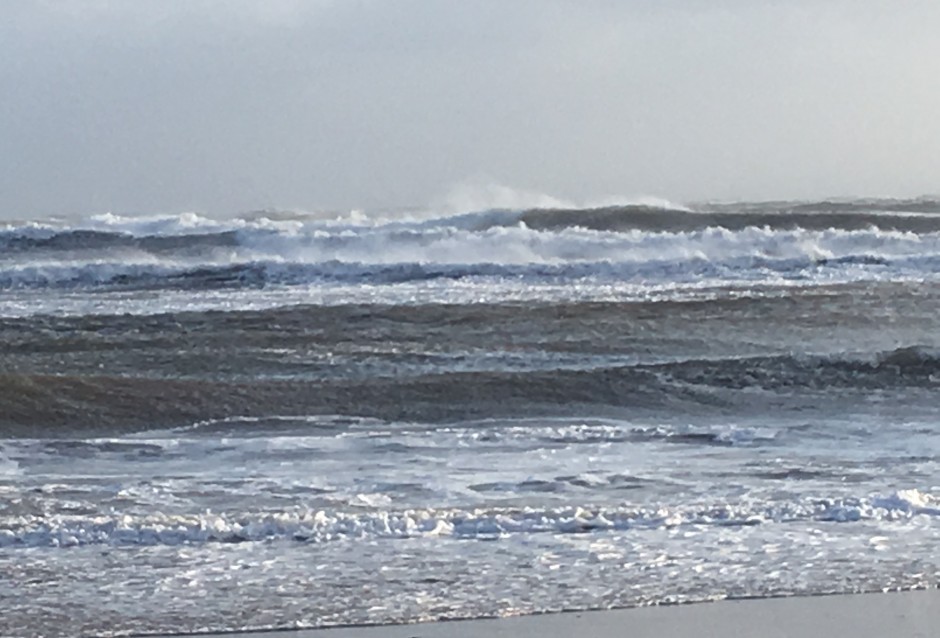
(913, 614)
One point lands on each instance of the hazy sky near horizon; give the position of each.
(231, 105)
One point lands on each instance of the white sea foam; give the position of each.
(319, 526)
(309, 254)
(520, 245)
(8, 467)
(182, 223)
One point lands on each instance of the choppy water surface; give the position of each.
(253, 423)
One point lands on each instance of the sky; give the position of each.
(225, 106)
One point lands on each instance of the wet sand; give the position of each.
(899, 615)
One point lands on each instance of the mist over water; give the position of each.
(291, 419)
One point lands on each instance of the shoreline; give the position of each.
(904, 614)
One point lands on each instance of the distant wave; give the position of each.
(914, 215)
(923, 219)
(257, 257)
(634, 251)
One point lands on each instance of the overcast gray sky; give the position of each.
(230, 105)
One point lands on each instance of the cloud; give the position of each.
(231, 105)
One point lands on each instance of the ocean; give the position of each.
(285, 420)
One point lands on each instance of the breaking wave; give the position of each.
(83, 259)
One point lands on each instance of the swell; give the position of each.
(915, 217)
(39, 405)
(13, 242)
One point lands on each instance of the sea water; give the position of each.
(283, 420)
